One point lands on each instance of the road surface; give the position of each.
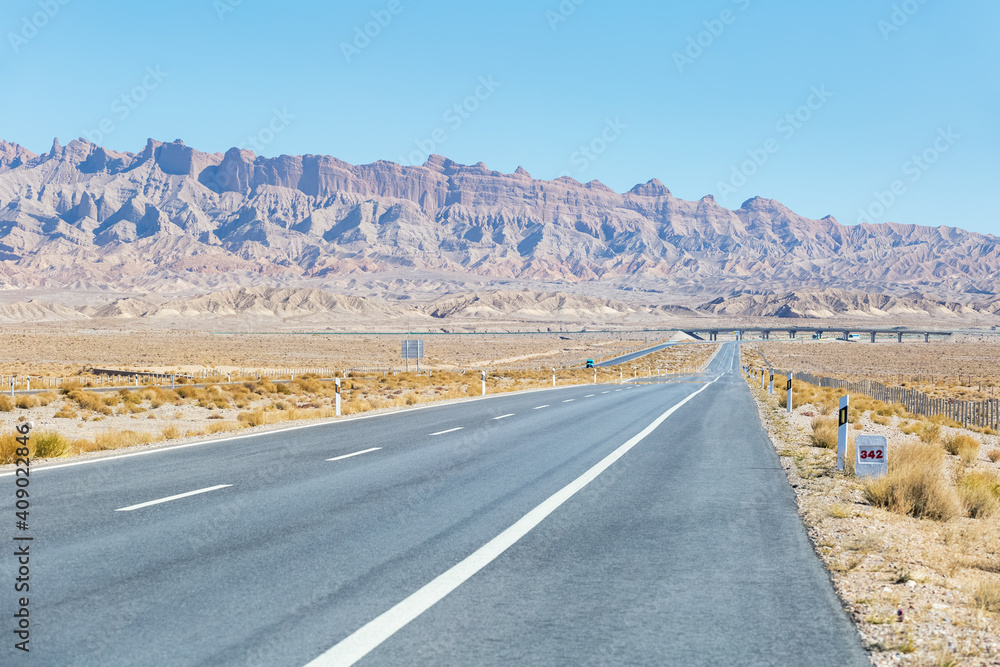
(589, 525)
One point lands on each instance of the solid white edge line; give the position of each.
(450, 430)
(365, 639)
(169, 498)
(331, 421)
(347, 456)
(503, 416)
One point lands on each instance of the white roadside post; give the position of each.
(770, 387)
(28, 385)
(336, 385)
(484, 382)
(621, 377)
(842, 431)
(788, 399)
(871, 456)
(553, 378)
(12, 386)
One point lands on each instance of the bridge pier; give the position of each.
(791, 334)
(873, 336)
(900, 336)
(927, 338)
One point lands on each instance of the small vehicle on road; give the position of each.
(590, 363)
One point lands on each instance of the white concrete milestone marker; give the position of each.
(870, 456)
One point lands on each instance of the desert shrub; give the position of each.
(222, 427)
(27, 401)
(47, 444)
(255, 418)
(915, 484)
(8, 447)
(980, 493)
(824, 432)
(993, 455)
(130, 397)
(117, 439)
(987, 596)
(309, 385)
(283, 389)
(170, 432)
(190, 393)
(45, 398)
(66, 412)
(930, 433)
(962, 445)
(88, 400)
(6, 404)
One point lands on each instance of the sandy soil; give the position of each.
(909, 584)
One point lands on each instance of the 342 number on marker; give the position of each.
(871, 454)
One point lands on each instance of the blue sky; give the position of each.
(882, 110)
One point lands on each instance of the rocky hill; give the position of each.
(298, 307)
(172, 219)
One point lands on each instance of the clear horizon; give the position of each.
(874, 112)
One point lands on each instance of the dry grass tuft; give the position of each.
(915, 485)
(824, 432)
(170, 432)
(980, 493)
(47, 444)
(988, 596)
(6, 404)
(27, 401)
(8, 447)
(993, 455)
(962, 445)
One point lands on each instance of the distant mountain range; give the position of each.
(174, 220)
(313, 308)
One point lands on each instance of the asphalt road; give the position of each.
(591, 525)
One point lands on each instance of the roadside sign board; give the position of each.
(413, 349)
(871, 456)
